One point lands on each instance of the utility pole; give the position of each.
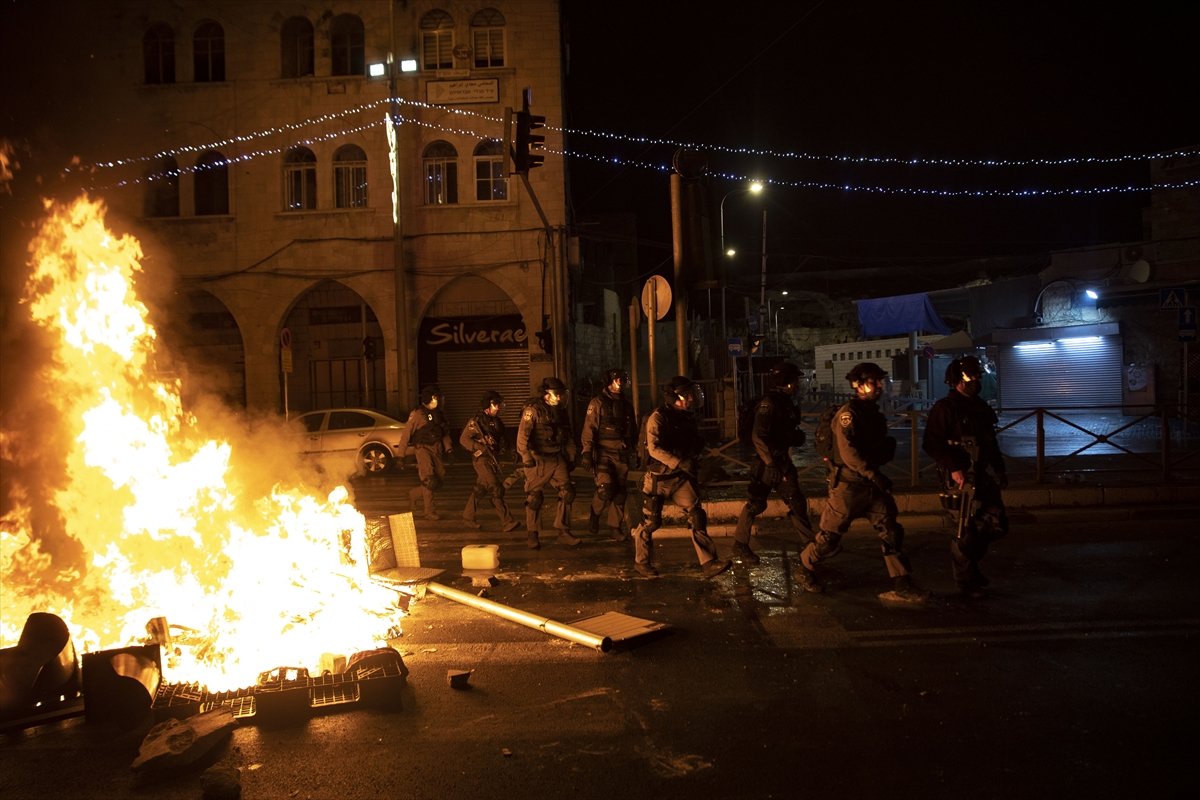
(405, 398)
(762, 292)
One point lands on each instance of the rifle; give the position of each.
(966, 494)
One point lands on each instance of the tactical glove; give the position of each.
(528, 461)
(585, 461)
(689, 466)
(882, 481)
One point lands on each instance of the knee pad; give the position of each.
(432, 483)
(652, 513)
(891, 538)
(606, 491)
(698, 518)
(827, 543)
(534, 500)
(992, 524)
(756, 505)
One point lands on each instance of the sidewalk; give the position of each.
(922, 507)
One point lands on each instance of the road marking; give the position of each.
(992, 634)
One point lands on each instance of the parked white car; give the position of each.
(371, 437)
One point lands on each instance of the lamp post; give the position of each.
(753, 188)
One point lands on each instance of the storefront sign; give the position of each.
(474, 333)
(455, 93)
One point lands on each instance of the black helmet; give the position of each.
(616, 374)
(429, 392)
(553, 384)
(681, 387)
(967, 365)
(866, 370)
(490, 397)
(785, 373)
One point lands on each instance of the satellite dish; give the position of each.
(1138, 271)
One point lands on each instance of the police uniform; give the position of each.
(547, 450)
(607, 443)
(429, 436)
(673, 445)
(955, 423)
(776, 430)
(858, 488)
(484, 437)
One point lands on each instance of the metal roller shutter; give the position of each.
(465, 375)
(1061, 374)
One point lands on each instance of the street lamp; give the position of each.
(754, 188)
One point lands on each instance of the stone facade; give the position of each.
(323, 274)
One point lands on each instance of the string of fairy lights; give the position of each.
(475, 120)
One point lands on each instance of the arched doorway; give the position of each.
(473, 339)
(337, 351)
(207, 338)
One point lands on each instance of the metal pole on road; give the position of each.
(544, 624)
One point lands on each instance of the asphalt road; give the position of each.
(1071, 679)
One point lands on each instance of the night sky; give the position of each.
(972, 81)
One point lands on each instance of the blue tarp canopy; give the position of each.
(905, 313)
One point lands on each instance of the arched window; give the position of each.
(350, 177)
(296, 48)
(487, 38)
(162, 189)
(208, 53)
(158, 51)
(490, 184)
(211, 184)
(437, 40)
(440, 164)
(299, 179)
(346, 45)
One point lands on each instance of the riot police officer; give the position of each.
(485, 438)
(673, 445)
(547, 450)
(960, 435)
(429, 435)
(858, 488)
(775, 431)
(607, 445)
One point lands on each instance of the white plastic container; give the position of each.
(481, 556)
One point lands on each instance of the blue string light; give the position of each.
(642, 141)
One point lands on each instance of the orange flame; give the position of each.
(148, 514)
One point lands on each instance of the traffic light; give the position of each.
(527, 141)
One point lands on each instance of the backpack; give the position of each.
(745, 421)
(823, 437)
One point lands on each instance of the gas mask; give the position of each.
(970, 385)
(553, 398)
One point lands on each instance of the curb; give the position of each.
(924, 509)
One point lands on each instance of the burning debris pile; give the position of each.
(121, 506)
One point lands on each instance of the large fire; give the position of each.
(139, 510)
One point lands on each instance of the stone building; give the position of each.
(248, 147)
